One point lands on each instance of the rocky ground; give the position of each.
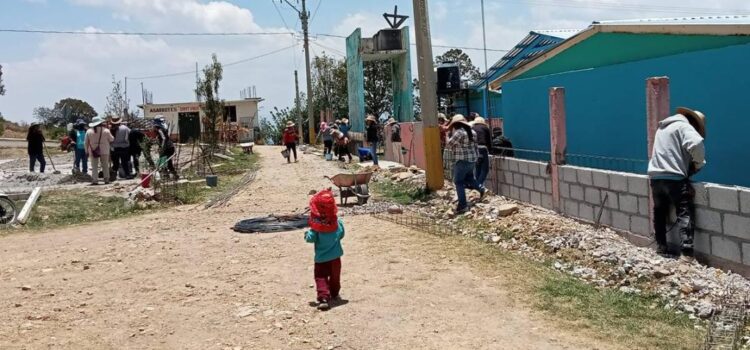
(597, 255)
(181, 279)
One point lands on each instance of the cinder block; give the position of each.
(571, 208)
(724, 198)
(547, 201)
(620, 220)
(701, 194)
(508, 177)
(746, 253)
(601, 179)
(640, 225)
(505, 190)
(737, 226)
(702, 242)
(606, 218)
(564, 190)
(536, 198)
(726, 248)
(539, 184)
(525, 195)
(585, 177)
(643, 208)
(612, 200)
(515, 192)
(638, 185)
(548, 186)
(629, 203)
(593, 196)
(534, 169)
(523, 167)
(528, 182)
(569, 174)
(543, 171)
(618, 182)
(586, 212)
(576, 192)
(513, 165)
(518, 179)
(708, 220)
(745, 200)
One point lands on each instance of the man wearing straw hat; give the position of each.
(484, 141)
(678, 154)
(462, 145)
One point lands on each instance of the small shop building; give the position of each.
(186, 119)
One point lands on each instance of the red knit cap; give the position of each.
(323, 212)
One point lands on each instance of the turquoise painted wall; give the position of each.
(606, 110)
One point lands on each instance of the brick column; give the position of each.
(657, 109)
(558, 140)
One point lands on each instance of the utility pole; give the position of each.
(143, 97)
(125, 113)
(296, 101)
(486, 94)
(428, 96)
(304, 17)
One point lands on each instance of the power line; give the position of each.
(224, 65)
(329, 48)
(316, 11)
(36, 31)
(281, 16)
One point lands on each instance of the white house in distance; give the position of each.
(185, 118)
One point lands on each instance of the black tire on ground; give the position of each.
(7, 211)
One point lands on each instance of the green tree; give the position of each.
(272, 127)
(329, 86)
(378, 88)
(467, 68)
(65, 111)
(208, 91)
(2, 86)
(2, 125)
(117, 104)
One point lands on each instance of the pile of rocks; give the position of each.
(597, 255)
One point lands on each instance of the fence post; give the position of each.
(657, 108)
(558, 140)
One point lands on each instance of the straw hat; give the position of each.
(460, 119)
(96, 122)
(116, 120)
(371, 118)
(697, 119)
(479, 120)
(441, 116)
(345, 120)
(391, 121)
(337, 121)
(290, 124)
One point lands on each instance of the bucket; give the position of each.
(212, 180)
(329, 156)
(145, 180)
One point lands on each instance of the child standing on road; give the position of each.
(326, 232)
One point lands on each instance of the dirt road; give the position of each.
(184, 280)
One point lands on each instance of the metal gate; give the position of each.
(190, 126)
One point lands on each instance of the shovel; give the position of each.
(55, 171)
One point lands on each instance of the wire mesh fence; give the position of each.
(727, 325)
(417, 222)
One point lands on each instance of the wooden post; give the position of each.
(657, 109)
(558, 140)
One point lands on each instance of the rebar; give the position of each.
(726, 327)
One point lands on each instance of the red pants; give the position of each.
(328, 279)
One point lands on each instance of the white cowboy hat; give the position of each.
(290, 124)
(96, 122)
(391, 121)
(371, 118)
(459, 118)
(697, 119)
(479, 120)
(116, 120)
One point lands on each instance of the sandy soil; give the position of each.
(183, 280)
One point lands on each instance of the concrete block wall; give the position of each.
(620, 198)
(722, 228)
(523, 180)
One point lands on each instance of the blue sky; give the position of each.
(40, 69)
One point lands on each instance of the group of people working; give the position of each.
(107, 144)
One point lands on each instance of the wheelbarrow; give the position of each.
(352, 185)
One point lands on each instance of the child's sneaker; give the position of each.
(323, 306)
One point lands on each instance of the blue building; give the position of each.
(604, 70)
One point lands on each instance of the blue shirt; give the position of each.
(344, 128)
(327, 245)
(80, 139)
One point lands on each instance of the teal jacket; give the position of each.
(327, 245)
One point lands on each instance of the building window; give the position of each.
(230, 114)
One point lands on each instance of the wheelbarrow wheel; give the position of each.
(363, 194)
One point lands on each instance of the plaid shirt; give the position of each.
(463, 148)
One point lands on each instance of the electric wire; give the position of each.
(78, 32)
